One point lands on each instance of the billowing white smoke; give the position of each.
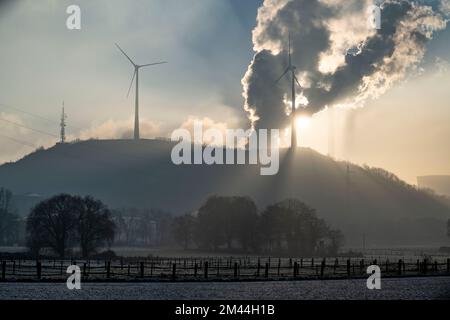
(339, 59)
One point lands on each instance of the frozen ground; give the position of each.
(406, 288)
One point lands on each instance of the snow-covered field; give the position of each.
(404, 288)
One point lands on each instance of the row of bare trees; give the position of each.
(64, 222)
(234, 223)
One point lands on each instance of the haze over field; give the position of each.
(140, 174)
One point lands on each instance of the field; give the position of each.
(393, 288)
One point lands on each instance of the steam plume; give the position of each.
(339, 59)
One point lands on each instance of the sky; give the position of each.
(209, 47)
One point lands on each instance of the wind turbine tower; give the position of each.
(137, 67)
(291, 68)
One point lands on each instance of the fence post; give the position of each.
(14, 267)
(3, 270)
(206, 269)
(218, 267)
(259, 267)
(348, 267)
(84, 270)
(195, 270)
(142, 269)
(174, 271)
(235, 270)
(301, 263)
(279, 266)
(108, 269)
(128, 271)
(387, 265)
(425, 266)
(295, 269)
(435, 266)
(400, 267)
(322, 268)
(38, 269)
(312, 262)
(266, 273)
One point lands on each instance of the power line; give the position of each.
(36, 115)
(28, 113)
(29, 128)
(18, 141)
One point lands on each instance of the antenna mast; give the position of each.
(63, 125)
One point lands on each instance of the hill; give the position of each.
(126, 173)
(439, 184)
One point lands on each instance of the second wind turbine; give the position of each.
(291, 68)
(136, 75)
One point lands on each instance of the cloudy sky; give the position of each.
(210, 48)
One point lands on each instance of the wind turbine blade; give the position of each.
(125, 54)
(131, 84)
(152, 64)
(284, 73)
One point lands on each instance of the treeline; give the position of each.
(65, 223)
(233, 223)
(142, 227)
(9, 220)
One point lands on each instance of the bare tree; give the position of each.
(183, 229)
(59, 222)
(52, 223)
(95, 226)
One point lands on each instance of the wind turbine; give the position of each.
(137, 67)
(291, 68)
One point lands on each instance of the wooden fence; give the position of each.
(230, 268)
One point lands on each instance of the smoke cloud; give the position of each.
(340, 60)
(120, 129)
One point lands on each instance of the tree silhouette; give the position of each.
(336, 241)
(95, 226)
(292, 227)
(52, 223)
(211, 231)
(183, 229)
(59, 222)
(243, 220)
